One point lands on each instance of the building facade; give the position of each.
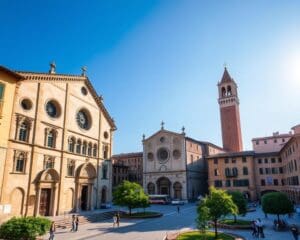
(175, 165)
(59, 146)
(127, 166)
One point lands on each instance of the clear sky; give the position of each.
(161, 60)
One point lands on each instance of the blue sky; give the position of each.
(161, 60)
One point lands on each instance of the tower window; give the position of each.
(229, 93)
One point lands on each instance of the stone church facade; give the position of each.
(175, 165)
(58, 148)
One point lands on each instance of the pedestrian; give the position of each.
(73, 223)
(260, 228)
(115, 219)
(118, 219)
(52, 231)
(254, 229)
(76, 223)
(178, 209)
(295, 231)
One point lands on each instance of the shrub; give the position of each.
(24, 228)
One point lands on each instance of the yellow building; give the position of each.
(8, 85)
(60, 140)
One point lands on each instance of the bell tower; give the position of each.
(230, 114)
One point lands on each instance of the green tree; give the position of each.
(217, 204)
(130, 195)
(202, 218)
(277, 203)
(144, 203)
(240, 202)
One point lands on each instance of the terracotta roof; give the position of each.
(226, 77)
(204, 143)
(12, 73)
(69, 77)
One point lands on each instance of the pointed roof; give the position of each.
(226, 77)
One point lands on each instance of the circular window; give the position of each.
(162, 154)
(26, 104)
(176, 154)
(84, 91)
(106, 135)
(150, 156)
(162, 139)
(53, 109)
(83, 119)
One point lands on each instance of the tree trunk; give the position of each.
(216, 229)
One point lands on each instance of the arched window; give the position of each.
(104, 171)
(71, 168)
(90, 146)
(84, 146)
(234, 171)
(245, 170)
(49, 162)
(105, 152)
(50, 138)
(20, 162)
(223, 92)
(229, 93)
(95, 150)
(24, 132)
(78, 146)
(71, 144)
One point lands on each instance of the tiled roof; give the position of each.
(232, 154)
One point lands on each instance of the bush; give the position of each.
(24, 228)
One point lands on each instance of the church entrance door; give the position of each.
(163, 186)
(84, 198)
(45, 201)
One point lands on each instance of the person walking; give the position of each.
(76, 223)
(52, 231)
(115, 219)
(178, 209)
(118, 219)
(73, 223)
(254, 229)
(295, 231)
(260, 228)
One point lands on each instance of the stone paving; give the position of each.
(171, 222)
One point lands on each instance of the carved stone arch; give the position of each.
(86, 170)
(223, 92)
(17, 201)
(49, 175)
(229, 90)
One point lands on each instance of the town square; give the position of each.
(171, 120)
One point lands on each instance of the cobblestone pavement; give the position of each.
(170, 223)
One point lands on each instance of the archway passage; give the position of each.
(85, 176)
(163, 186)
(177, 190)
(266, 191)
(151, 188)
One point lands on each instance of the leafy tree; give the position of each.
(144, 203)
(203, 218)
(240, 202)
(277, 203)
(217, 204)
(130, 195)
(26, 228)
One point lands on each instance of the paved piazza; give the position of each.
(156, 229)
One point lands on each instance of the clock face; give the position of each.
(82, 119)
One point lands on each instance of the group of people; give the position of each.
(116, 219)
(258, 228)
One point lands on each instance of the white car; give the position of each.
(177, 202)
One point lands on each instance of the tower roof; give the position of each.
(226, 77)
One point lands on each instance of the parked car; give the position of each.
(177, 202)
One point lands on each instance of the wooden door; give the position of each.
(45, 202)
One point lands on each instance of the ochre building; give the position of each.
(58, 144)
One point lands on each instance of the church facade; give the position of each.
(58, 146)
(175, 164)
